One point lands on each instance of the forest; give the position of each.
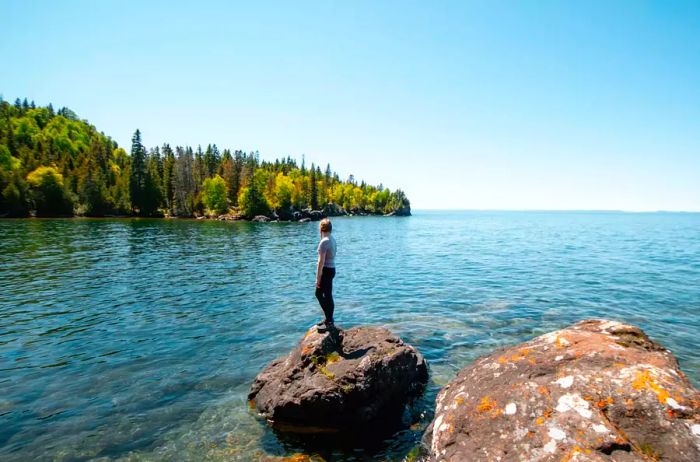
(52, 163)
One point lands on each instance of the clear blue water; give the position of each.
(139, 339)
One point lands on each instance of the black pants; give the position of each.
(324, 294)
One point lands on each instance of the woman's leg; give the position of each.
(328, 274)
(319, 296)
(324, 293)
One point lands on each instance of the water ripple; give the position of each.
(138, 339)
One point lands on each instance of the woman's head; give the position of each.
(326, 226)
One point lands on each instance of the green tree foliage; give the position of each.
(14, 194)
(48, 193)
(167, 177)
(251, 200)
(138, 173)
(75, 168)
(313, 187)
(215, 194)
(183, 183)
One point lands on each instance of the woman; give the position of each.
(325, 272)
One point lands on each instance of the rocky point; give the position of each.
(340, 380)
(596, 391)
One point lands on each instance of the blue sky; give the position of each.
(467, 104)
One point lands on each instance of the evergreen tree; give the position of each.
(167, 179)
(183, 183)
(251, 200)
(94, 195)
(314, 187)
(327, 178)
(92, 188)
(212, 159)
(152, 192)
(138, 174)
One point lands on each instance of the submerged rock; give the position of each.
(596, 391)
(339, 380)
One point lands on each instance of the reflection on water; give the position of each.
(138, 339)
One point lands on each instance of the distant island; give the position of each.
(54, 164)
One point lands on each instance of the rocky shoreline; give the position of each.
(305, 215)
(598, 390)
(298, 215)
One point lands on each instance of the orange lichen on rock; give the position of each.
(298, 457)
(486, 405)
(308, 348)
(545, 415)
(520, 355)
(603, 403)
(490, 406)
(569, 455)
(646, 381)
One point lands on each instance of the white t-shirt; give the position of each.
(327, 246)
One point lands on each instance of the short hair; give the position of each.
(326, 225)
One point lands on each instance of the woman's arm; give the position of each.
(319, 267)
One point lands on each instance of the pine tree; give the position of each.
(328, 176)
(314, 187)
(183, 183)
(152, 193)
(138, 174)
(212, 159)
(167, 179)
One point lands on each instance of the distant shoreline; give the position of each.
(199, 218)
(419, 210)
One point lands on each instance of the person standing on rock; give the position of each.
(325, 272)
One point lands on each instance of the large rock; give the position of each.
(339, 380)
(596, 391)
(403, 211)
(314, 215)
(334, 210)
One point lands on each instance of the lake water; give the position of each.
(139, 339)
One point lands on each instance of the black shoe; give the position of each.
(325, 326)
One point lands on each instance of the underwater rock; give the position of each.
(338, 380)
(596, 391)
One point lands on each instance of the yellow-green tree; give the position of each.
(215, 194)
(48, 193)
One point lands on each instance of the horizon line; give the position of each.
(437, 209)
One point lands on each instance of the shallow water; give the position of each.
(139, 339)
